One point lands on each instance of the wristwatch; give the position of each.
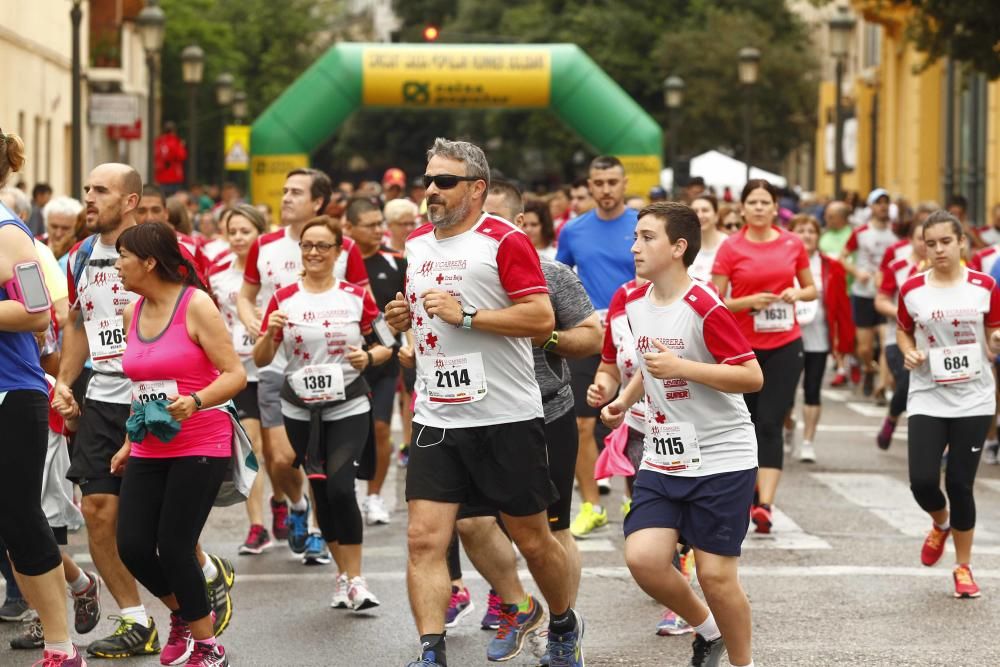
(551, 343)
(468, 312)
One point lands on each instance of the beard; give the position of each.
(449, 217)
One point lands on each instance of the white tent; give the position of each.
(720, 170)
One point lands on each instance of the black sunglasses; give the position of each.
(447, 181)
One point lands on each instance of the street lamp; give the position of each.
(749, 69)
(673, 98)
(841, 27)
(224, 92)
(152, 23)
(193, 70)
(76, 149)
(239, 106)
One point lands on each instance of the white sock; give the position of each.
(749, 664)
(709, 630)
(209, 570)
(62, 647)
(81, 583)
(942, 526)
(300, 506)
(598, 509)
(137, 614)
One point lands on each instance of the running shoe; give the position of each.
(880, 397)
(403, 458)
(32, 636)
(567, 650)
(604, 486)
(428, 659)
(933, 547)
(992, 454)
(298, 529)
(375, 512)
(807, 453)
(839, 380)
(316, 552)
(358, 595)
(218, 593)
(514, 629)
(340, 599)
(459, 606)
(884, 437)
(965, 585)
(15, 610)
(869, 385)
(60, 659)
(686, 564)
(491, 619)
(788, 438)
(626, 506)
(279, 519)
(761, 517)
(87, 605)
(180, 643)
(128, 639)
(258, 541)
(587, 521)
(855, 374)
(207, 655)
(672, 624)
(707, 653)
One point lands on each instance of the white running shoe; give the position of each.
(789, 438)
(375, 512)
(340, 599)
(807, 454)
(359, 596)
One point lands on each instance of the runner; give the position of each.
(538, 226)
(243, 225)
(707, 209)
(274, 261)
(478, 424)
(760, 264)
(696, 481)
(323, 325)
(179, 359)
(826, 326)
(948, 328)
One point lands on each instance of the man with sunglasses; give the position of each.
(475, 297)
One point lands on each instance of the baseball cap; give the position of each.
(394, 176)
(874, 195)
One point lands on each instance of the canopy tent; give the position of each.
(719, 171)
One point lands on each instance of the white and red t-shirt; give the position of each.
(697, 327)
(899, 250)
(225, 280)
(763, 267)
(701, 267)
(619, 349)
(895, 274)
(869, 243)
(101, 300)
(321, 327)
(214, 250)
(984, 259)
(949, 324)
(468, 377)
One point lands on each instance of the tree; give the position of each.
(966, 31)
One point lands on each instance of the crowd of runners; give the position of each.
(533, 346)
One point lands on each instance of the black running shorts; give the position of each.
(100, 436)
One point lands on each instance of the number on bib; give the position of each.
(778, 316)
(319, 383)
(954, 365)
(106, 338)
(671, 447)
(460, 379)
(153, 390)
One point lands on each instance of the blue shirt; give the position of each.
(20, 368)
(601, 252)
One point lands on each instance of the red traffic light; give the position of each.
(431, 33)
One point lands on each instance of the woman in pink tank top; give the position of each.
(177, 351)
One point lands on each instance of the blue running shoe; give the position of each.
(298, 529)
(567, 650)
(428, 659)
(514, 629)
(316, 552)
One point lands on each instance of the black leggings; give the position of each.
(812, 377)
(23, 528)
(454, 558)
(162, 508)
(337, 511)
(927, 438)
(894, 359)
(782, 367)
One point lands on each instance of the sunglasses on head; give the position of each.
(446, 181)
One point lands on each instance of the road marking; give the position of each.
(992, 484)
(833, 395)
(867, 409)
(787, 535)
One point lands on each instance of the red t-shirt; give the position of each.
(761, 267)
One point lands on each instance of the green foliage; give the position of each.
(967, 30)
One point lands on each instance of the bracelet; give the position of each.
(371, 359)
(197, 401)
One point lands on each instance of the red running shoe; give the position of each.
(933, 548)
(965, 585)
(856, 374)
(761, 517)
(839, 380)
(279, 520)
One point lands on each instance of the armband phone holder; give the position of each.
(28, 287)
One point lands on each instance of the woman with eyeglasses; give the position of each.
(730, 220)
(323, 326)
(706, 207)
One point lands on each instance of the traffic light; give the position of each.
(431, 33)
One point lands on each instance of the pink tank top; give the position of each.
(153, 365)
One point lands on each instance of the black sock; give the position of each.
(562, 623)
(434, 644)
(766, 506)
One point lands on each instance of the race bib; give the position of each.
(153, 390)
(779, 316)
(241, 340)
(956, 364)
(319, 383)
(106, 338)
(459, 379)
(805, 311)
(671, 447)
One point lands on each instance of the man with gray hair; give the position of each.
(475, 297)
(59, 217)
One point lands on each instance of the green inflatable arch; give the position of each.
(423, 76)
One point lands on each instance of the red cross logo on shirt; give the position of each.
(297, 352)
(326, 324)
(440, 278)
(660, 417)
(955, 323)
(270, 273)
(931, 340)
(420, 321)
(115, 288)
(628, 363)
(305, 356)
(432, 340)
(421, 348)
(90, 305)
(298, 340)
(413, 297)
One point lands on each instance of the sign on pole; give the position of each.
(237, 147)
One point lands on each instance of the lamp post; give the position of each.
(193, 69)
(841, 27)
(673, 98)
(152, 23)
(749, 69)
(239, 106)
(76, 150)
(224, 93)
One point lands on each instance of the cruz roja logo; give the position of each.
(416, 92)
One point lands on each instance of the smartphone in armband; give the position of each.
(383, 332)
(28, 287)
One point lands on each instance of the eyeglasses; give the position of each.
(734, 226)
(322, 248)
(447, 181)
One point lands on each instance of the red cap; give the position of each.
(394, 176)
